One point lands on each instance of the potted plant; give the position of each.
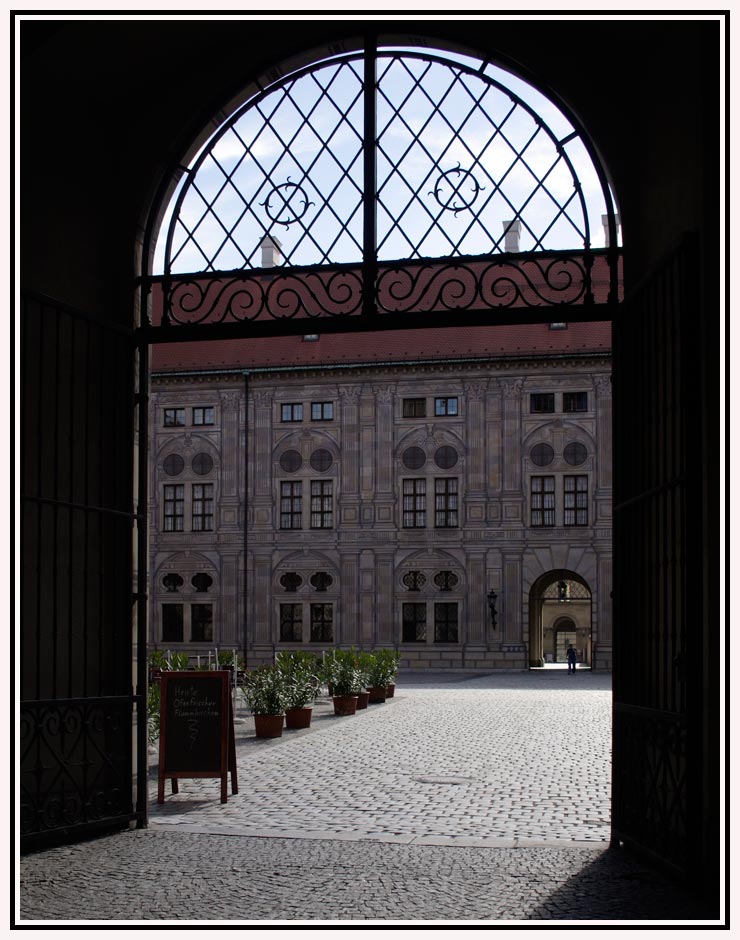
(365, 662)
(160, 662)
(265, 694)
(347, 682)
(382, 672)
(302, 683)
(392, 658)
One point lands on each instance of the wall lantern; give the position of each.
(492, 597)
(562, 590)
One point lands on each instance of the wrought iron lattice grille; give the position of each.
(391, 182)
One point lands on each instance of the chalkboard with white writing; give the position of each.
(196, 735)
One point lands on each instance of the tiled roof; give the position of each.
(393, 345)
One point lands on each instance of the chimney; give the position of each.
(512, 231)
(605, 223)
(271, 255)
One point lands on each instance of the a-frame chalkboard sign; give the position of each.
(196, 731)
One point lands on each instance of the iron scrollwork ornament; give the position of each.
(449, 192)
(292, 203)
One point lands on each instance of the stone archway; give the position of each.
(560, 601)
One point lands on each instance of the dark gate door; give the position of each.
(77, 702)
(661, 779)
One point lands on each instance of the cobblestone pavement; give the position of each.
(461, 799)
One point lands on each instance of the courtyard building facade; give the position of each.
(447, 496)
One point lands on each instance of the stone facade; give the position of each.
(379, 504)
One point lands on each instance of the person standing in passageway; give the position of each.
(571, 659)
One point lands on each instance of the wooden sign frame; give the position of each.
(197, 704)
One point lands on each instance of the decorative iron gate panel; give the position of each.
(77, 700)
(656, 748)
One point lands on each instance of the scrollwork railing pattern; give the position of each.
(75, 763)
(539, 280)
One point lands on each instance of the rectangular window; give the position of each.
(414, 407)
(172, 619)
(445, 406)
(543, 501)
(414, 504)
(543, 403)
(414, 623)
(322, 411)
(291, 505)
(291, 412)
(445, 623)
(291, 623)
(201, 623)
(321, 504)
(174, 507)
(202, 507)
(575, 500)
(174, 417)
(445, 503)
(575, 401)
(203, 416)
(322, 623)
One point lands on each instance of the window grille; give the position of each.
(445, 503)
(201, 582)
(321, 581)
(575, 453)
(543, 501)
(542, 403)
(174, 507)
(172, 582)
(446, 580)
(202, 507)
(322, 623)
(414, 407)
(321, 460)
(202, 464)
(542, 455)
(173, 465)
(291, 505)
(414, 629)
(201, 623)
(445, 623)
(291, 412)
(414, 504)
(291, 623)
(321, 504)
(291, 581)
(575, 500)
(290, 461)
(413, 458)
(445, 406)
(414, 580)
(446, 457)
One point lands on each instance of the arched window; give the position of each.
(391, 180)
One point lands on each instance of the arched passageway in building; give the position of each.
(665, 716)
(561, 614)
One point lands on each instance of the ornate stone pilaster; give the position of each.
(510, 603)
(349, 612)
(603, 386)
(511, 389)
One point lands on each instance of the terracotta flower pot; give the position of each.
(269, 726)
(362, 699)
(391, 690)
(377, 694)
(298, 717)
(345, 704)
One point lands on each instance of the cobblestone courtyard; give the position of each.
(460, 799)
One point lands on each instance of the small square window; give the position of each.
(174, 417)
(322, 411)
(575, 401)
(291, 412)
(543, 403)
(414, 407)
(203, 415)
(445, 406)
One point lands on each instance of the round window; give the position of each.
(173, 465)
(202, 464)
(446, 457)
(575, 454)
(542, 455)
(414, 458)
(290, 461)
(321, 460)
